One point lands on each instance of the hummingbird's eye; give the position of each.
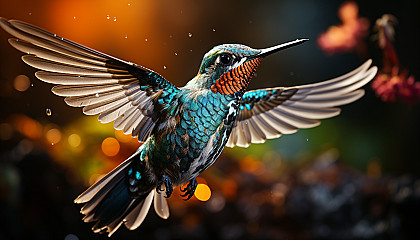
(225, 59)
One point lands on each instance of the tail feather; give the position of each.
(161, 205)
(99, 185)
(137, 215)
(113, 206)
(111, 201)
(101, 194)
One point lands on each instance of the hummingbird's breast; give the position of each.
(193, 135)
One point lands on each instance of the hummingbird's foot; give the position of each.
(189, 189)
(168, 185)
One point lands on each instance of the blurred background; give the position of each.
(354, 177)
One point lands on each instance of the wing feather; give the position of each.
(269, 113)
(115, 89)
(67, 79)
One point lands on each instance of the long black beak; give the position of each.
(267, 51)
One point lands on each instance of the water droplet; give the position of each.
(307, 139)
(164, 67)
(125, 36)
(115, 19)
(32, 84)
(189, 34)
(97, 95)
(74, 17)
(48, 112)
(129, 4)
(30, 14)
(176, 54)
(107, 17)
(145, 39)
(190, 50)
(214, 30)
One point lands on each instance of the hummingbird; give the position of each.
(183, 130)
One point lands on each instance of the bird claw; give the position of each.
(189, 189)
(168, 185)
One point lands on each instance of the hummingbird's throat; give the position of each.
(236, 79)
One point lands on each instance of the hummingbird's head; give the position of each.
(228, 68)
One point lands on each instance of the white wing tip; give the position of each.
(81, 199)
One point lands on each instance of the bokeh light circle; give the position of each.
(110, 146)
(202, 192)
(74, 140)
(53, 136)
(21, 83)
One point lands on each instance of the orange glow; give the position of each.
(119, 134)
(202, 192)
(252, 165)
(110, 146)
(27, 126)
(32, 128)
(347, 36)
(348, 12)
(229, 188)
(53, 136)
(111, 20)
(21, 83)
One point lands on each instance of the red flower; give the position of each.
(392, 83)
(396, 85)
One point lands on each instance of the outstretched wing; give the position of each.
(269, 113)
(115, 89)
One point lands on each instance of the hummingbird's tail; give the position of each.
(124, 195)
